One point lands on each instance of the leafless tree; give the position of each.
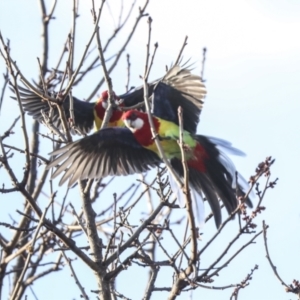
(46, 239)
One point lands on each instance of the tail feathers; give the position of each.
(197, 201)
(225, 146)
(239, 183)
(217, 150)
(201, 182)
(217, 180)
(202, 185)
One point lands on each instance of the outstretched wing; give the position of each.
(179, 87)
(110, 151)
(83, 111)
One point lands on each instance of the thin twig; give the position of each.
(128, 72)
(181, 51)
(265, 227)
(83, 293)
(109, 110)
(122, 49)
(20, 279)
(203, 63)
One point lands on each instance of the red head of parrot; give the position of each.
(100, 108)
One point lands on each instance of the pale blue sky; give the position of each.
(252, 73)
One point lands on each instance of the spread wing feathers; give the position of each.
(177, 88)
(83, 111)
(110, 151)
(166, 100)
(217, 182)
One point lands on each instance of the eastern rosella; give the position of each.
(181, 86)
(122, 151)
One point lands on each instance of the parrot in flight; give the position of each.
(182, 87)
(119, 150)
(131, 149)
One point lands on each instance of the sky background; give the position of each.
(252, 75)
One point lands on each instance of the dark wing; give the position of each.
(179, 87)
(218, 181)
(83, 111)
(110, 151)
(135, 95)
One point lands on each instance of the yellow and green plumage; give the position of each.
(168, 133)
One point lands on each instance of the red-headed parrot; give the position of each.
(123, 151)
(181, 87)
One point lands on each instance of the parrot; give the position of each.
(182, 87)
(132, 149)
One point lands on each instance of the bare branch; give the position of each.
(179, 57)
